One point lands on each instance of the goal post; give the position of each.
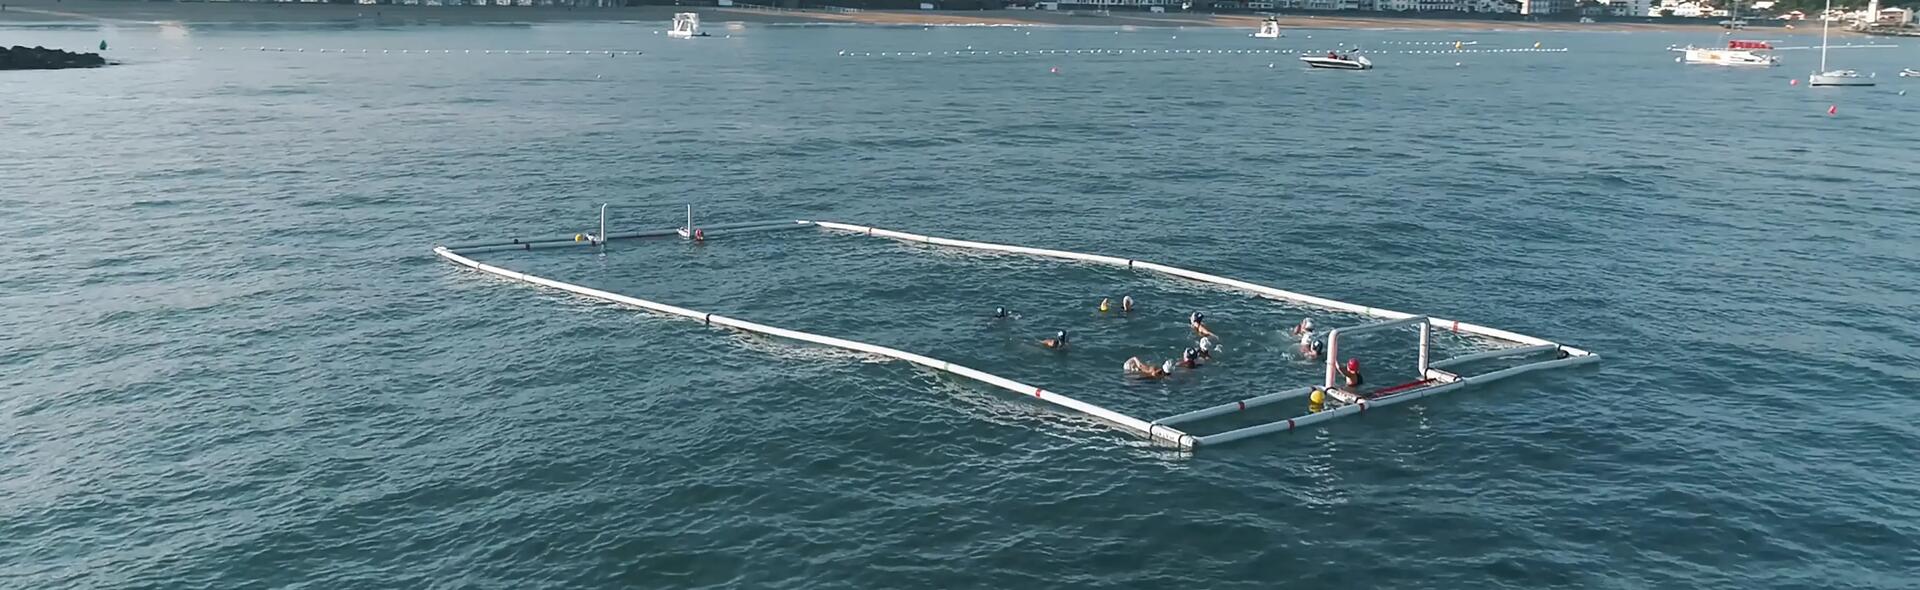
(1333, 344)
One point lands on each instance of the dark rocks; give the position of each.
(41, 58)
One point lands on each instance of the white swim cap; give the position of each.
(1306, 324)
(1167, 366)
(1205, 344)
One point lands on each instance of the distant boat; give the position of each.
(1737, 53)
(1334, 61)
(686, 25)
(1910, 73)
(1269, 29)
(1826, 77)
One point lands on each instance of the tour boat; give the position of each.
(1737, 53)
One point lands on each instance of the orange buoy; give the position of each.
(1833, 109)
(1053, 70)
(1793, 82)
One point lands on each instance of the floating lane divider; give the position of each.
(1165, 51)
(1337, 402)
(1155, 433)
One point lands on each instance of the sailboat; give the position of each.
(1826, 77)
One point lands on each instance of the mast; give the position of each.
(1823, 36)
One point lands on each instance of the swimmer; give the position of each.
(1305, 327)
(1141, 369)
(1001, 313)
(1126, 304)
(1190, 359)
(1352, 373)
(1206, 347)
(1199, 322)
(1057, 342)
(699, 235)
(1313, 349)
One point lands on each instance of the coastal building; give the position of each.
(1544, 7)
(1629, 7)
(1895, 17)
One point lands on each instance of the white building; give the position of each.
(1629, 7)
(1544, 7)
(1896, 17)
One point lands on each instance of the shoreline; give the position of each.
(130, 12)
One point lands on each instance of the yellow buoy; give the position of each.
(578, 237)
(1317, 401)
(1536, 44)
(1103, 305)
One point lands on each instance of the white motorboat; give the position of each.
(1333, 61)
(1826, 77)
(1910, 73)
(1269, 29)
(1737, 53)
(686, 25)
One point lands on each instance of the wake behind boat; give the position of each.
(1335, 61)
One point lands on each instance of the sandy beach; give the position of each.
(130, 12)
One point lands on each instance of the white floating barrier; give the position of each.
(1432, 381)
(1341, 403)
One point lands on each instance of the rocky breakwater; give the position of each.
(41, 58)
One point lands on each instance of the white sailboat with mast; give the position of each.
(1826, 77)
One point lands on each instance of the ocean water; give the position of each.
(228, 358)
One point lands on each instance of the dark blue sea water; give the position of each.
(229, 360)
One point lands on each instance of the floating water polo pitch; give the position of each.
(1432, 375)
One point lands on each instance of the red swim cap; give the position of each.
(1353, 365)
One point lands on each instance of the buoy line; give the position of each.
(390, 51)
(1328, 402)
(1163, 51)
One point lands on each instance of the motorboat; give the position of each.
(1910, 73)
(1269, 29)
(1335, 61)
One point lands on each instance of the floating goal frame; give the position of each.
(1433, 379)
